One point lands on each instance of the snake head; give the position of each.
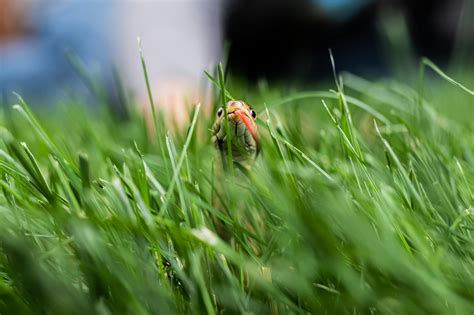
(244, 137)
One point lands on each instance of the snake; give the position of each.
(236, 124)
(244, 138)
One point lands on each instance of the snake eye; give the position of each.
(219, 112)
(253, 113)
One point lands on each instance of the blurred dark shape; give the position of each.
(281, 39)
(432, 25)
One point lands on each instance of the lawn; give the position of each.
(361, 202)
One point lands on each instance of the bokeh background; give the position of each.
(46, 47)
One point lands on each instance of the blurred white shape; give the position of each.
(206, 235)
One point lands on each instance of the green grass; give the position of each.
(362, 202)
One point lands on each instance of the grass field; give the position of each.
(362, 202)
